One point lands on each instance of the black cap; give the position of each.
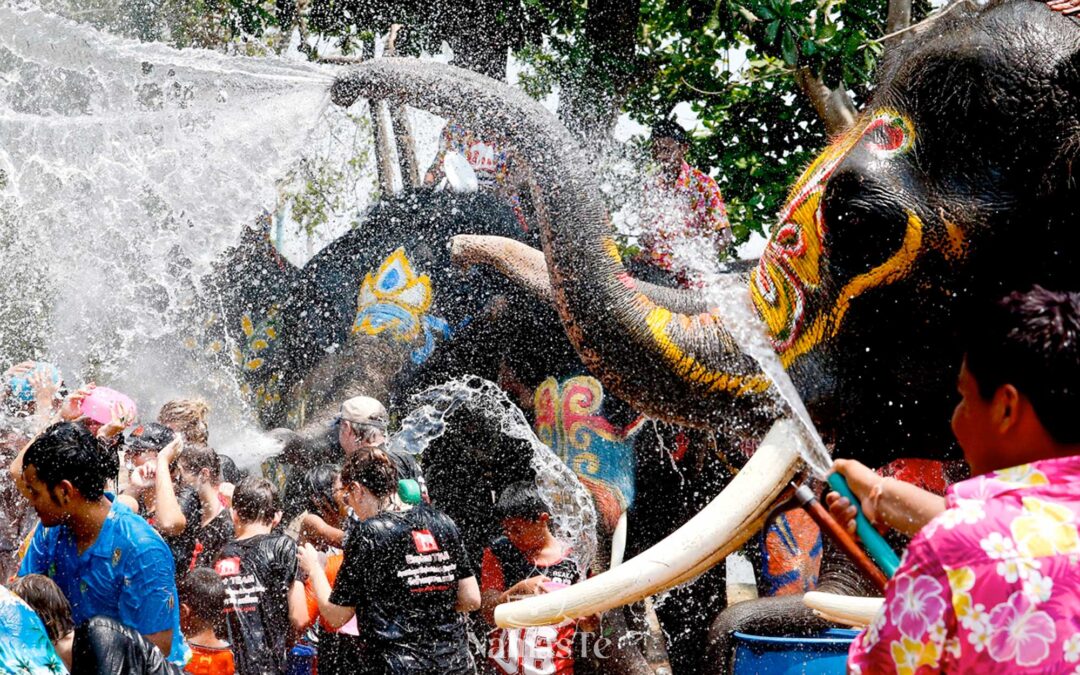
(670, 129)
(152, 436)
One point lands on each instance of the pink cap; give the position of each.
(98, 405)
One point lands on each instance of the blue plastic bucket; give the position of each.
(301, 660)
(823, 654)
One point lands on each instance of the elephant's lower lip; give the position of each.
(703, 541)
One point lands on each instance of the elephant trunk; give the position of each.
(665, 350)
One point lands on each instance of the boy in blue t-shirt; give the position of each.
(106, 559)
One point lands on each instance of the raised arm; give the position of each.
(170, 517)
(335, 616)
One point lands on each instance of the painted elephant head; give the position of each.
(952, 187)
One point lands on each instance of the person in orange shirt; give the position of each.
(202, 603)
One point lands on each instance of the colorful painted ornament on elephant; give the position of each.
(789, 274)
(791, 552)
(570, 420)
(395, 300)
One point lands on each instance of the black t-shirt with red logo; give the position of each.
(400, 573)
(539, 650)
(258, 572)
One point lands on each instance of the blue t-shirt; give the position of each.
(127, 574)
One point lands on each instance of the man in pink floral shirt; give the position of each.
(992, 584)
(683, 204)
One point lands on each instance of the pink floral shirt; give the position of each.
(991, 585)
(702, 213)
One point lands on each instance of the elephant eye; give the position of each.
(865, 222)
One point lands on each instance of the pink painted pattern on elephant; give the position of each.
(990, 585)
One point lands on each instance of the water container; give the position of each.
(20, 386)
(301, 660)
(98, 405)
(822, 654)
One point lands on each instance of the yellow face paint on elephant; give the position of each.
(789, 273)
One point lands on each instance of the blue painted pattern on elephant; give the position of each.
(791, 549)
(572, 419)
(395, 301)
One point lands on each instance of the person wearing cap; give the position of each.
(686, 205)
(362, 425)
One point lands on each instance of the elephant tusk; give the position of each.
(846, 609)
(618, 542)
(723, 526)
(516, 261)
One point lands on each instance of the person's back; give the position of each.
(401, 573)
(104, 645)
(991, 583)
(259, 572)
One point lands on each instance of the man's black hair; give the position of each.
(229, 472)
(255, 500)
(320, 487)
(522, 501)
(1031, 340)
(68, 451)
(203, 591)
(670, 129)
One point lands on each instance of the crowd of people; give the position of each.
(146, 551)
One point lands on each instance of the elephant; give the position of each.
(953, 187)
(382, 311)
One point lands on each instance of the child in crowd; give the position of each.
(319, 511)
(321, 524)
(202, 601)
(991, 581)
(47, 600)
(199, 470)
(265, 599)
(526, 560)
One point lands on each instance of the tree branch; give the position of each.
(833, 106)
(899, 16)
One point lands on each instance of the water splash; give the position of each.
(573, 515)
(695, 257)
(125, 169)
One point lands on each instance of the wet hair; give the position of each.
(229, 472)
(1031, 340)
(203, 591)
(319, 484)
(68, 451)
(47, 601)
(521, 500)
(670, 129)
(255, 500)
(373, 470)
(197, 457)
(188, 417)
